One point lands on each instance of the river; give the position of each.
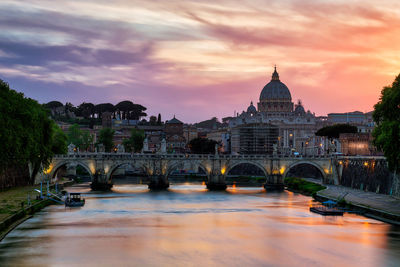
(189, 226)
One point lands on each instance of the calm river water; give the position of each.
(189, 226)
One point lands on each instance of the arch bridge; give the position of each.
(158, 167)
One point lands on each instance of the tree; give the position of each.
(387, 118)
(87, 140)
(106, 138)
(202, 146)
(335, 130)
(135, 141)
(104, 107)
(127, 110)
(153, 120)
(69, 107)
(123, 108)
(86, 110)
(53, 104)
(80, 138)
(26, 132)
(74, 135)
(59, 143)
(138, 112)
(159, 122)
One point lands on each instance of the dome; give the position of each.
(275, 89)
(251, 108)
(299, 110)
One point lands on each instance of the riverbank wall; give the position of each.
(372, 175)
(14, 220)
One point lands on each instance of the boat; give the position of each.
(326, 211)
(74, 200)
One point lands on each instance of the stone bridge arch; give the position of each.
(254, 163)
(134, 164)
(67, 163)
(194, 165)
(306, 162)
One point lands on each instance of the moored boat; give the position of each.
(74, 200)
(327, 211)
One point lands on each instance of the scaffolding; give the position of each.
(256, 138)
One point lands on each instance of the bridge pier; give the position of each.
(274, 183)
(216, 182)
(158, 182)
(100, 182)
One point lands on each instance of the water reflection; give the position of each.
(189, 226)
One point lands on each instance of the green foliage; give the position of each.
(298, 184)
(59, 143)
(335, 130)
(130, 111)
(104, 107)
(202, 146)
(85, 110)
(74, 135)
(87, 140)
(53, 104)
(135, 141)
(387, 117)
(106, 138)
(26, 132)
(83, 122)
(153, 120)
(80, 138)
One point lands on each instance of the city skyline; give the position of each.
(200, 60)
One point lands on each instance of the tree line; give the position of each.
(83, 139)
(125, 110)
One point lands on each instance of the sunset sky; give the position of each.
(199, 59)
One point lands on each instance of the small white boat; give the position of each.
(74, 200)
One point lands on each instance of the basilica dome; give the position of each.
(275, 89)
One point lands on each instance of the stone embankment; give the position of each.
(14, 208)
(378, 206)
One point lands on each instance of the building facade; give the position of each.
(176, 142)
(275, 107)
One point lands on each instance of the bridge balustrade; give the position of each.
(89, 155)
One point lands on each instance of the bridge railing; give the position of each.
(141, 156)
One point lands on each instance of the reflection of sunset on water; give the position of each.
(188, 225)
